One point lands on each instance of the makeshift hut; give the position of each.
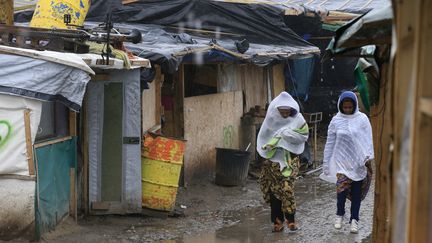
(39, 92)
(214, 62)
(46, 160)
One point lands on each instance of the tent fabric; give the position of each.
(262, 23)
(132, 128)
(352, 6)
(13, 150)
(161, 47)
(174, 29)
(53, 183)
(95, 121)
(298, 73)
(373, 28)
(348, 6)
(42, 80)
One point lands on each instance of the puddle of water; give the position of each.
(316, 207)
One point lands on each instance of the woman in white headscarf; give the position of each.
(280, 140)
(347, 155)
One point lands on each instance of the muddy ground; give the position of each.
(211, 213)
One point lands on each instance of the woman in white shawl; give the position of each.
(280, 140)
(347, 155)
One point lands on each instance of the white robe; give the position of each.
(274, 124)
(349, 145)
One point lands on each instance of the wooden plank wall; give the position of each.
(151, 102)
(419, 196)
(278, 79)
(230, 77)
(210, 121)
(382, 130)
(254, 86)
(412, 89)
(250, 79)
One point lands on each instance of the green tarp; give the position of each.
(53, 183)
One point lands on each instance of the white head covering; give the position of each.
(349, 143)
(274, 123)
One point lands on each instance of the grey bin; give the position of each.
(232, 166)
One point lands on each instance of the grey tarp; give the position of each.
(205, 21)
(42, 80)
(373, 28)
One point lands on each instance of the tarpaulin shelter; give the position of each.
(40, 166)
(210, 52)
(33, 198)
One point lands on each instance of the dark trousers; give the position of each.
(355, 200)
(276, 211)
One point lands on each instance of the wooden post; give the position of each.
(29, 143)
(7, 12)
(72, 123)
(178, 104)
(315, 144)
(73, 195)
(382, 125)
(158, 88)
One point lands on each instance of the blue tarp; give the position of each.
(53, 183)
(298, 76)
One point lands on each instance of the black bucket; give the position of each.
(232, 166)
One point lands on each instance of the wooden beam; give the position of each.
(51, 142)
(72, 123)
(18, 177)
(101, 77)
(100, 205)
(178, 104)
(129, 1)
(6, 12)
(382, 125)
(29, 143)
(158, 93)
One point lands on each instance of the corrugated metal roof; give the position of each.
(349, 6)
(20, 5)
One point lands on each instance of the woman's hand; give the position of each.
(268, 147)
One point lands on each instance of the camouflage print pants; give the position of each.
(273, 182)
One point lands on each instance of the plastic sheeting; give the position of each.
(131, 174)
(298, 75)
(53, 183)
(164, 26)
(261, 25)
(13, 150)
(43, 80)
(373, 28)
(102, 7)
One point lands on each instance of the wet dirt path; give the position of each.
(225, 215)
(316, 209)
